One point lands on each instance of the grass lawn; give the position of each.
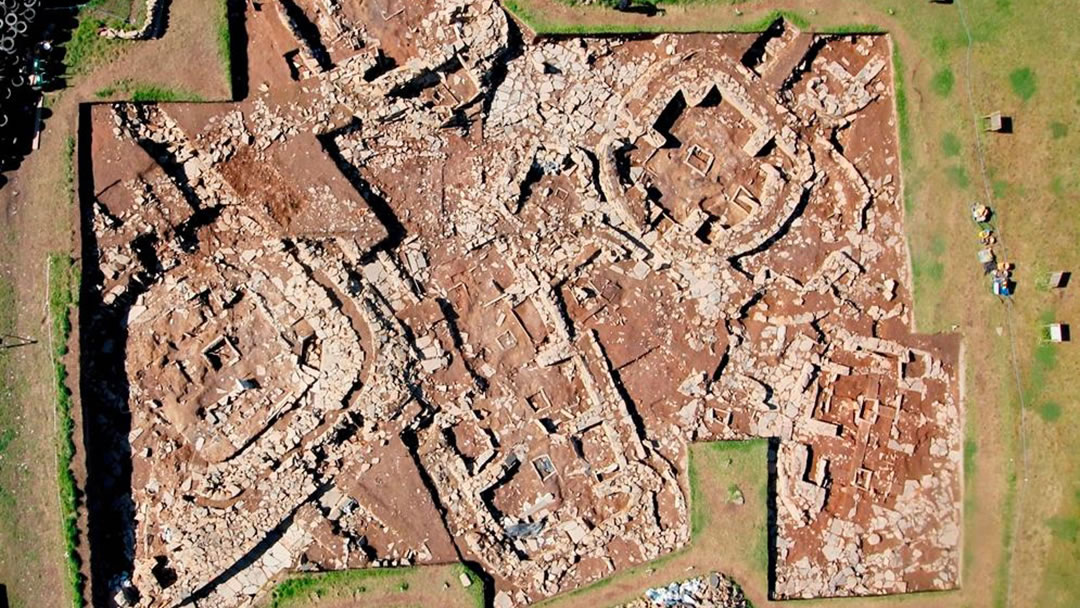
(957, 62)
(385, 587)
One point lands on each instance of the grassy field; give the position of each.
(12, 445)
(957, 62)
(385, 587)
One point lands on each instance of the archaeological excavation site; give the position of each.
(440, 290)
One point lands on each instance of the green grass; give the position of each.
(87, 50)
(224, 39)
(148, 92)
(1064, 528)
(1060, 578)
(970, 450)
(699, 515)
(8, 401)
(64, 282)
(6, 437)
(727, 456)
(542, 25)
(950, 144)
(299, 589)
(1050, 411)
(958, 176)
(660, 3)
(1058, 130)
(1057, 186)
(68, 175)
(121, 86)
(940, 46)
(1022, 81)
(903, 124)
(1008, 507)
(1000, 188)
(943, 82)
(927, 267)
(9, 390)
(143, 92)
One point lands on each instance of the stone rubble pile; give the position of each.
(712, 591)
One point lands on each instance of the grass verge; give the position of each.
(63, 297)
(224, 40)
(303, 589)
(541, 25)
(143, 92)
(69, 170)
